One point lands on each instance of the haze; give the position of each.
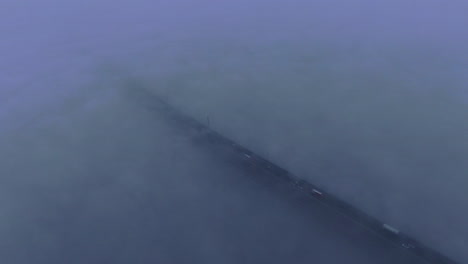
(367, 99)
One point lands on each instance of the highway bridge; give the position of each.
(122, 177)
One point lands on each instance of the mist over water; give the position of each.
(367, 99)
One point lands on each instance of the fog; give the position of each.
(366, 99)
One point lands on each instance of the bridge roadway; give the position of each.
(111, 180)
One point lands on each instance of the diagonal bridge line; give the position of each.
(153, 102)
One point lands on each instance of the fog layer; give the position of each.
(364, 98)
